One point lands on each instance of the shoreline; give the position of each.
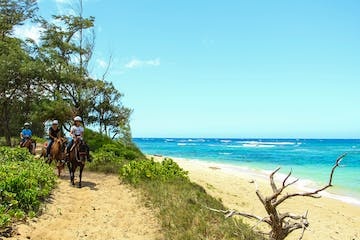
(303, 184)
(329, 217)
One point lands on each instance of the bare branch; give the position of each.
(261, 198)
(313, 193)
(338, 160)
(291, 183)
(230, 213)
(106, 72)
(272, 183)
(287, 177)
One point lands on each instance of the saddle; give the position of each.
(22, 144)
(82, 152)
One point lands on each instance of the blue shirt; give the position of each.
(26, 132)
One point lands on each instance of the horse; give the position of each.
(77, 158)
(57, 153)
(29, 144)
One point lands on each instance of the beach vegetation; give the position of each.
(181, 203)
(149, 170)
(24, 183)
(110, 155)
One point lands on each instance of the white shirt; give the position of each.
(76, 131)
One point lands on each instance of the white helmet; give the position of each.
(77, 118)
(26, 124)
(55, 122)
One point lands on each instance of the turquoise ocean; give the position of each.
(311, 160)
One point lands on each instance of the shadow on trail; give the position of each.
(90, 185)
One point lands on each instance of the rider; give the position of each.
(54, 132)
(76, 131)
(25, 133)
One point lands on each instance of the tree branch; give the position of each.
(230, 213)
(272, 183)
(313, 193)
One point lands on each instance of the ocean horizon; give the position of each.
(310, 160)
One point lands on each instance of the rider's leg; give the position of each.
(68, 147)
(88, 153)
(51, 141)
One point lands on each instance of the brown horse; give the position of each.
(57, 153)
(77, 158)
(29, 144)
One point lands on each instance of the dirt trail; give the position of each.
(102, 209)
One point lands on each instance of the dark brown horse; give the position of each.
(57, 153)
(77, 158)
(29, 144)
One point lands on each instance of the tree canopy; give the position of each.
(50, 79)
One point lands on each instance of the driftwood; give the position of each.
(282, 224)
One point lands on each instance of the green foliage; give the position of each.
(15, 12)
(50, 79)
(135, 171)
(38, 139)
(96, 140)
(111, 157)
(181, 203)
(10, 154)
(105, 161)
(24, 182)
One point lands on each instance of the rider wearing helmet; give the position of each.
(76, 131)
(54, 132)
(25, 133)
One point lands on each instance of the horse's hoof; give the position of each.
(79, 186)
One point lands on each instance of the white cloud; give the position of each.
(32, 31)
(102, 63)
(62, 1)
(137, 63)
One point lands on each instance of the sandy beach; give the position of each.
(328, 218)
(102, 209)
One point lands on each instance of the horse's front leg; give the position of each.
(59, 169)
(80, 174)
(72, 174)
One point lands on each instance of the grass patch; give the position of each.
(181, 203)
(24, 183)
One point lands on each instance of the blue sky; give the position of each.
(231, 68)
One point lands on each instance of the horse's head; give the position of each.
(63, 142)
(27, 142)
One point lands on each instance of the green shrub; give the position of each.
(135, 171)
(130, 154)
(24, 183)
(105, 161)
(38, 139)
(13, 154)
(96, 140)
(112, 156)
